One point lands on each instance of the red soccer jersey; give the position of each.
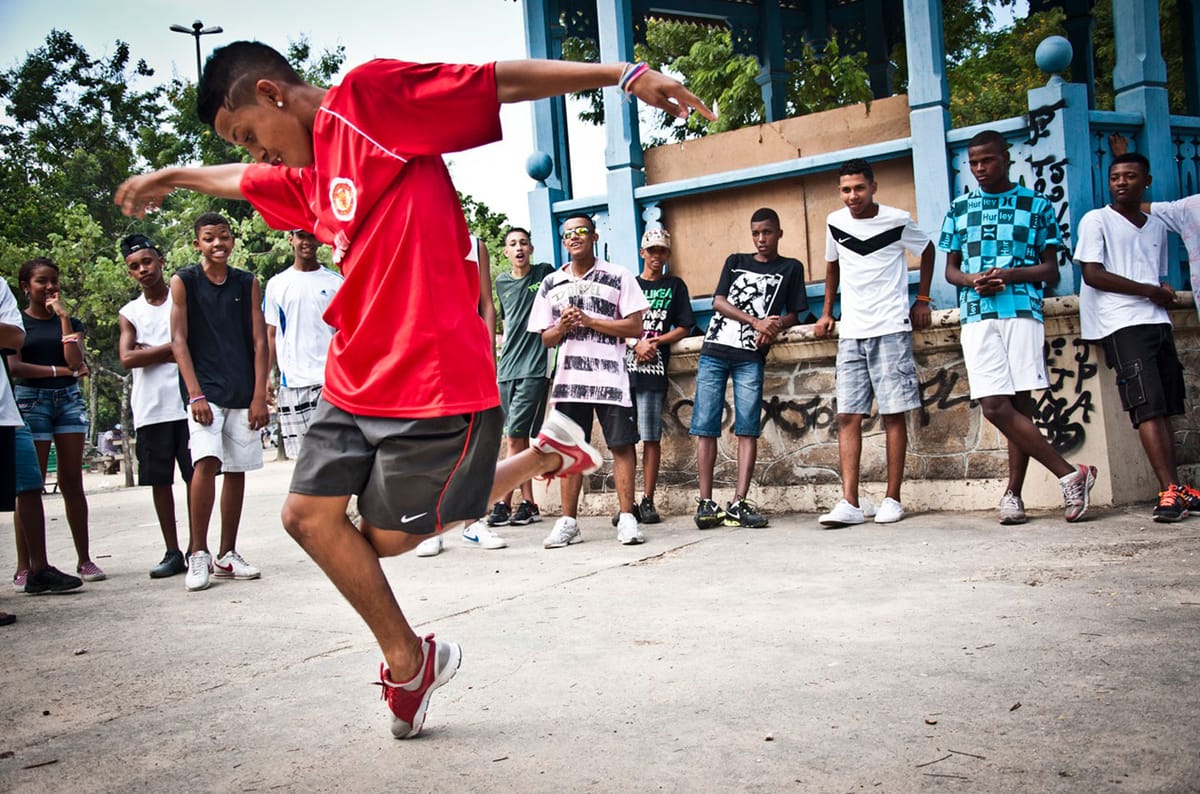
(409, 340)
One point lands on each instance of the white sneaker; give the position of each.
(889, 511)
(843, 514)
(565, 532)
(628, 531)
(1012, 509)
(561, 436)
(430, 547)
(233, 566)
(199, 568)
(481, 536)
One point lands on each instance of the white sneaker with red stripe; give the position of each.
(409, 701)
(560, 435)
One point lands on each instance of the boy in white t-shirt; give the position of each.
(1181, 216)
(1123, 303)
(294, 303)
(159, 415)
(864, 253)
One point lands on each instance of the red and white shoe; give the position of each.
(409, 701)
(560, 435)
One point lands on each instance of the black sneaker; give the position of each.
(172, 564)
(526, 513)
(649, 515)
(1171, 506)
(637, 513)
(709, 514)
(500, 516)
(1192, 498)
(743, 513)
(51, 580)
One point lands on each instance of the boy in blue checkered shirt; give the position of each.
(1001, 242)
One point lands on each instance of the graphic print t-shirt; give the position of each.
(522, 355)
(410, 342)
(1000, 230)
(873, 273)
(591, 365)
(760, 289)
(670, 307)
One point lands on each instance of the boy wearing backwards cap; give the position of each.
(668, 320)
(159, 415)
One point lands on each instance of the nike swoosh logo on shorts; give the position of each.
(410, 519)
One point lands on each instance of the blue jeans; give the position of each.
(51, 412)
(712, 374)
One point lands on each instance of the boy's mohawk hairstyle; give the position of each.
(231, 73)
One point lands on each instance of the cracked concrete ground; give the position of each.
(942, 653)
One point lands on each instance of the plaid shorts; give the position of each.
(296, 405)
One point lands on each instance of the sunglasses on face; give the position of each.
(578, 231)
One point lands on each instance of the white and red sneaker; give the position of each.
(560, 435)
(409, 701)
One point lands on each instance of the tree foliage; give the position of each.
(990, 67)
(73, 128)
(703, 55)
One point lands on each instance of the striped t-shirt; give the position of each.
(591, 365)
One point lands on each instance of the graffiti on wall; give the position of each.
(1066, 407)
(1062, 412)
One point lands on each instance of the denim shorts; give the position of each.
(51, 412)
(712, 374)
(881, 367)
(649, 406)
(19, 468)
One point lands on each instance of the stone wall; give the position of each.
(956, 459)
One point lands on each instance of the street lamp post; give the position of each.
(197, 30)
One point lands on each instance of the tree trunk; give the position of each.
(127, 428)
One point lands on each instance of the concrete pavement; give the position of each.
(942, 653)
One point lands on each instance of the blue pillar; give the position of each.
(623, 151)
(773, 78)
(1189, 30)
(929, 118)
(549, 135)
(1060, 150)
(1140, 81)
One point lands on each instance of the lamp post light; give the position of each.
(197, 30)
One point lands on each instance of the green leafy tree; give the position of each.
(703, 55)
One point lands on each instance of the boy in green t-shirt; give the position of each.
(521, 370)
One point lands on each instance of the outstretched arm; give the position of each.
(518, 81)
(140, 194)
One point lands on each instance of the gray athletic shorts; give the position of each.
(881, 367)
(524, 404)
(413, 475)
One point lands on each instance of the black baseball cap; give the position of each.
(136, 242)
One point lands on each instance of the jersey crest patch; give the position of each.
(343, 198)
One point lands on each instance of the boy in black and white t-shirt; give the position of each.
(668, 320)
(758, 296)
(1123, 302)
(864, 251)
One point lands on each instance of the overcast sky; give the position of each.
(467, 31)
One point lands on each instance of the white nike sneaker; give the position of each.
(430, 547)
